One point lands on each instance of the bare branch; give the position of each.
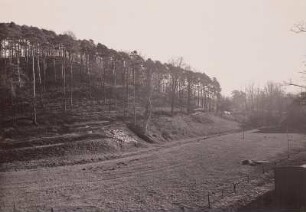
(299, 28)
(296, 85)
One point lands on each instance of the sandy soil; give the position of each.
(163, 177)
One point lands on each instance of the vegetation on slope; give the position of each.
(45, 73)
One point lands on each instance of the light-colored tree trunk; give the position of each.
(34, 89)
(45, 73)
(134, 92)
(88, 74)
(104, 90)
(27, 52)
(1, 49)
(101, 76)
(148, 111)
(173, 88)
(115, 85)
(18, 71)
(64, 84)
(126, 105)
(54, 69)
(71, 81)
(199, 96)
(38, 67)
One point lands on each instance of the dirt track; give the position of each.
(175, 177)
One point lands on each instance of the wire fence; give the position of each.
(232, 188)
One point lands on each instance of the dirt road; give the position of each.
(171, 178)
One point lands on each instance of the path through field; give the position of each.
(174, 177)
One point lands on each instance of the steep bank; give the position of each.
(69, 140)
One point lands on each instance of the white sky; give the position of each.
(238, 41)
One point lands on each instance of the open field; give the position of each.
(162, 177)
(150, 106)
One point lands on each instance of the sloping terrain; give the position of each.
(165, 127)
(86, 133)
(164, 177)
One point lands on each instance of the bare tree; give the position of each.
(174, 67)
(148, 107)
(299, 27)
(34, 89)
(80, 67)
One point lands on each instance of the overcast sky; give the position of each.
(237, 41)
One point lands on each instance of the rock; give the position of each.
(253, 162)
(246, 162)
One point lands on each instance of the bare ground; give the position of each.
(70, 140)
(162, 177)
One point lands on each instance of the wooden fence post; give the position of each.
(208, 200)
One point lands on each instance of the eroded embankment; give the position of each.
(75, 141)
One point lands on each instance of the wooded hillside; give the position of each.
(43, 72)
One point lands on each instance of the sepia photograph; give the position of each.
(153, 105)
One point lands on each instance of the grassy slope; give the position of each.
(180, 126)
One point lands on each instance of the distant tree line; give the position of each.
(267, 106)
(38, 67)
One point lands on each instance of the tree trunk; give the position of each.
(104, 90)
(0, 48)
(18, 70)
(126, 105)
(198, 95)
(45, 68)
(101, 77)
(173, 94)
(38, 67)
(148, 109)
(13, 94)
(71, 81)
(134, 101)
(115, 85)
(88, 74)
(54, 70)
(27, 52)
(34, 90)
(205, 100)
(64, 84)
(39, 77)
(202, 99)
(188, 96)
